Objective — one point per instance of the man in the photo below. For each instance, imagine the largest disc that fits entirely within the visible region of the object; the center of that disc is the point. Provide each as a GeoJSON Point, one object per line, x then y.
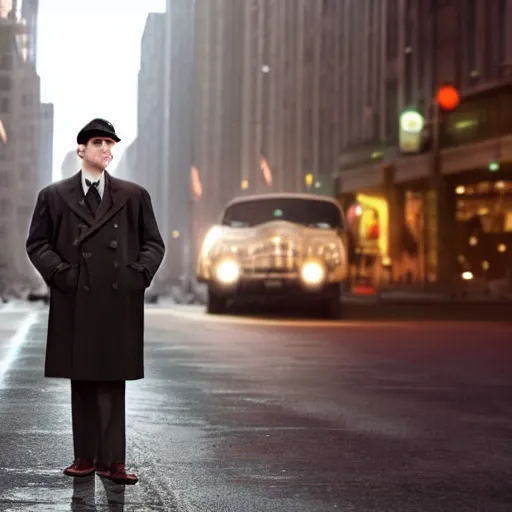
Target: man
{"type": "Point", "coordinates": [95, 241]}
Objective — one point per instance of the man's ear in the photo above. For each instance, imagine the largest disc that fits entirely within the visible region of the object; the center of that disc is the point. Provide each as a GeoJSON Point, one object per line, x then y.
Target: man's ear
{"type": "Point", "coordinates": [80, 150]}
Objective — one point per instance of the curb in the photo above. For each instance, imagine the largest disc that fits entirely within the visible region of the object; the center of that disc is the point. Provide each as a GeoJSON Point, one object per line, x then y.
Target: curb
{"type": "Point", "coordinates": [426, 301]}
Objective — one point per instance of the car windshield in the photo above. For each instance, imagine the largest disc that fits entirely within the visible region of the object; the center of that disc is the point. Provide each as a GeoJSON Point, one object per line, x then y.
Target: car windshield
{"type": "Point", "coordinates": [308, 212]}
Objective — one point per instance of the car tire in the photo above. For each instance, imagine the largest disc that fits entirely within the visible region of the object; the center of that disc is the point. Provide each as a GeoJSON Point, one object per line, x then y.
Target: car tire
{"type": "Point", "coordinates": [216, 304]}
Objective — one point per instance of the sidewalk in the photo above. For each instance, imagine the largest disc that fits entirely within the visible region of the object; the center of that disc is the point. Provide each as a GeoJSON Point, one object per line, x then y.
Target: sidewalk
{"type": "Point", "coordinates": [395, 296]}
{"type": "Point", "coordinates": [199, 296]}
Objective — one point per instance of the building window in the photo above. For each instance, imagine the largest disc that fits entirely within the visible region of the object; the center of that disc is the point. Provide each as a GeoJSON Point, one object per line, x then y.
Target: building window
{"type": "Point", "coordinates": [392, 30]}
{"type": "Point", "coordinates": [505, 32]}
{"type": "Point", "coordinates": [26, 100]}
{"type": "Point", "coordinates": [5, 179]}
{"type": "Point", "coordinates": [25, 173]}
{"type": "Point", "coordinates": [5, 207]}
{"type": "Point", "coordinates": [5, 151]}
{"type": "Point", "coordinates": [5, 83]}
{"type": "Point", "coordinates": [6, 62]}
{"type": "Point", "coordinates": [4, 105]}
{"type": "Point", "coordinates": [471, 39]}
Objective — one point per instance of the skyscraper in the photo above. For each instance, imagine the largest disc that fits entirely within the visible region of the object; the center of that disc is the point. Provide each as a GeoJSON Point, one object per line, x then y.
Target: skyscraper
{"type": "Point", "coordinates": [29, 12]}
{"type": "Point", "coordinates": [253, 105]}
{"type": "Point", "coordinates": [177, 129]}
{"type": "Point", "coordinates": [19, 151]}
{"type": "Point", "coordinates": [150, 114]}
{"type": "Point", "coordinates": [45, 160]}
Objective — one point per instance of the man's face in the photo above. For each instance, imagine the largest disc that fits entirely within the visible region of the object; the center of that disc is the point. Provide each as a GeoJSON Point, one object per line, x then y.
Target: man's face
{"type": "Point", "coordinates": [98, 152]}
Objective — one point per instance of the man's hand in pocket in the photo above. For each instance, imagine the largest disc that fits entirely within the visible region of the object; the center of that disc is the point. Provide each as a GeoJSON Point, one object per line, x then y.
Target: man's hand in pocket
{"type": "Point", "coordinates": [137, 278]}
{"type": "Point", "coordinates": [66, 280]}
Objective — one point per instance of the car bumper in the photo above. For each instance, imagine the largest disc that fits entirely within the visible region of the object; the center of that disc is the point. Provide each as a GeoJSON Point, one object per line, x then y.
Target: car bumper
{"type": "Point", "coordinates": [275, 289]}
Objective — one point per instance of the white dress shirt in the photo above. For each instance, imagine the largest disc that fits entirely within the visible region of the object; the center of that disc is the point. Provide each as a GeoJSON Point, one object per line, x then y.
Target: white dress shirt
{"type": "Point", "coordinates": [92, 178]}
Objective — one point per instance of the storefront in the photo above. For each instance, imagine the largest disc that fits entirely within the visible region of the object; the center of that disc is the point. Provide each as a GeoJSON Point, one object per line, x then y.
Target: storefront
{"type": "Point", "coordinates": [368, 224]}
{"type": "Point", "coordinates": [483, 235]}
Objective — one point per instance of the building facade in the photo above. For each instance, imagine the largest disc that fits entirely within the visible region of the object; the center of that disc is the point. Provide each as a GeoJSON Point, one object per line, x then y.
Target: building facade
{"type": "Point", "coordinates": [425, 220]}
{"type": "Point", "coordinates": [252, 86]}
{"type": "Point", "coordinates": [150, 136]}
{"type": "Point", "coordinates": [45, 159]}
{"type": "Point", "coordinates": [29, 12]}
{"type": "Point", "coordinates": [19, 154]}
{"type": "Point", "coordinates": [179, 109]}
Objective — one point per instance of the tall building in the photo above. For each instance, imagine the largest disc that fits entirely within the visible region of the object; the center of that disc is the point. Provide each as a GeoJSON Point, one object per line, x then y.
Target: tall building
{"type": "Point", "coordinates": [251, 104]}
{"type": "Point", "coordinates": [19, 152]}
{"type": "Point", "coordinates": [178, 109]}
{"type": "Point", "coordinates": [407, 53]}
{"type": "Point", "coordinates": [150, 118]}
{"type": "Point", "coordinates": [45, 159]}
{"type": "Point", "coordinates": [29, 12]}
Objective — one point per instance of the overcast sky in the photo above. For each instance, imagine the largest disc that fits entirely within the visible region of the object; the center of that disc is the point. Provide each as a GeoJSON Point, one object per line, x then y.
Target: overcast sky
{"type": "Point", "coordinates": [88, 60]}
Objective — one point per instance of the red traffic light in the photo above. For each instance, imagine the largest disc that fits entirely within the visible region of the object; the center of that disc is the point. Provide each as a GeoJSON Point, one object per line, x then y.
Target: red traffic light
{"type": "Point", "coordinates": [447, 97]}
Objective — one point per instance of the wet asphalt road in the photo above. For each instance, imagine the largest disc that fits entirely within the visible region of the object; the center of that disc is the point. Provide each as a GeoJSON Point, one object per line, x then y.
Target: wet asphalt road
{"type": "Point", "coordinates": [251, 415]}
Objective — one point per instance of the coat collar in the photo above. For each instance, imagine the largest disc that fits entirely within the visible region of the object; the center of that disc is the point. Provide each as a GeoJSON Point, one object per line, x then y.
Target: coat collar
{"type": "Point", "coordinates": [114, 199]}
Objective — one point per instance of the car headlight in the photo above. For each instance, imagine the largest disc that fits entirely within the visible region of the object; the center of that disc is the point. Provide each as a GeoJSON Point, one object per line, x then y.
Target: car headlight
{"type": "Point", "coordinates": [227, 272]}
{"type": "Point", "coordinates": [312, 273]}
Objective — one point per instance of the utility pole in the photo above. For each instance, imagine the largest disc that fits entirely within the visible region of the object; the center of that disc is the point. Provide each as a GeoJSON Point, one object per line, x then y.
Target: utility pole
{"type": "Point", "coordinates": [446, 100]}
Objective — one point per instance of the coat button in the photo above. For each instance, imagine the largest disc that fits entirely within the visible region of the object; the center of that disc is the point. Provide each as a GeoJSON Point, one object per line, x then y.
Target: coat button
{"type": "Point", "coordinates": [75, 242]}
{"type": "Point", "coordinates": [115, 286]}
{"type": "Point", "coordinates": [86, 288]}
{"type": "Point", "coordinates": [116, 264]}
{"type": "Point", "coordinates": [113, 244]}
{"type": "Point", "coordinates": [116, 225]}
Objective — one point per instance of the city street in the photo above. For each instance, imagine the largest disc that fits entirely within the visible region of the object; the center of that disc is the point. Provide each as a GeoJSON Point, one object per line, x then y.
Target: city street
{"type": "Point", "coordinates": [247, 414]}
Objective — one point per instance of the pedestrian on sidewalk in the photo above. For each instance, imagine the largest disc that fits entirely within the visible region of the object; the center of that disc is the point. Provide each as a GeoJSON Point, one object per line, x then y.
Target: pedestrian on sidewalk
{"type": "Point", "coordinates": [95, 241]}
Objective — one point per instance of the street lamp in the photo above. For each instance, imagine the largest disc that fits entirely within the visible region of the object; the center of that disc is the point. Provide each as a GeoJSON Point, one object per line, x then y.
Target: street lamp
{"type": "Point", "coordinates": [411, 128]}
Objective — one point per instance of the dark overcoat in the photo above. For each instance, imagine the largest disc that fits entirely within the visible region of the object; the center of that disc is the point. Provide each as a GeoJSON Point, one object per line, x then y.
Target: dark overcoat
{"type": "Point", "coordinates": [97, 269]}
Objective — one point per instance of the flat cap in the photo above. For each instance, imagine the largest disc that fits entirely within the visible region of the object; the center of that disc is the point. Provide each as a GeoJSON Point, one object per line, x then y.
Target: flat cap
{"type": "Point", "coordinates": [96, 128]}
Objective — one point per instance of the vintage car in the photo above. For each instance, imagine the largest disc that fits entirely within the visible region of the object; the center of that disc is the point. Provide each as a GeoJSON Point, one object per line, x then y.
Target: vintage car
{"type": "Point", "coordinates": [276, 247]}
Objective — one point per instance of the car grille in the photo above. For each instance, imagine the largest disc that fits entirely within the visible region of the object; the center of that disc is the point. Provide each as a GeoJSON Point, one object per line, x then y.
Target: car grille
{"type": "Point", "coordinates": [270, 257]}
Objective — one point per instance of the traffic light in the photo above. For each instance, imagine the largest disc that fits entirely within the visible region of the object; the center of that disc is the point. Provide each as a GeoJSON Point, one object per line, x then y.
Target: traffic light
{"type": "Point", "coordinates": [447, 97]}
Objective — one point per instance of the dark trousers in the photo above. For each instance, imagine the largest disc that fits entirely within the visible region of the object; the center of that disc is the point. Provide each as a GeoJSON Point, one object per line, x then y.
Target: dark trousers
{"type": "Point", "coordinates": [98, 412]}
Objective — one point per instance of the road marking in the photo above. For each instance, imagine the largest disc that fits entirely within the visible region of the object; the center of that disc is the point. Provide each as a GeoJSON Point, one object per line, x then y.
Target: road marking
{"type": "Point", "coordinates": [16, 342]}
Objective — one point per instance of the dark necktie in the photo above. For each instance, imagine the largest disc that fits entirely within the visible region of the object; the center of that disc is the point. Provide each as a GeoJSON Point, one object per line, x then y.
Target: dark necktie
{"type": "Point", "coordinates": [93, 198]}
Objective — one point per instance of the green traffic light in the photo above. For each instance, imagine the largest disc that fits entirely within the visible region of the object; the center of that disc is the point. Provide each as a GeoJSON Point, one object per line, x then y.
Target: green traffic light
{"type": "Point", "coordinates": [494, 166]}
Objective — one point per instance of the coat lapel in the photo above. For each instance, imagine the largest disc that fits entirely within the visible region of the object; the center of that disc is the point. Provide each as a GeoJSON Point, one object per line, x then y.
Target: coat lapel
{"type": "Point", "coordinates": [114, 198]}
{"type": "Point", "coordinates": [73, 194]}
